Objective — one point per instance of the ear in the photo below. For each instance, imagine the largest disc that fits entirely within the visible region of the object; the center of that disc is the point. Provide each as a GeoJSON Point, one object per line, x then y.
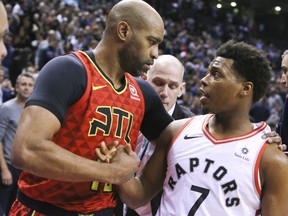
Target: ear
{"type": "Point", "coordinates": [247, 88]}
{"type": "Point", "coordinates": [123, 30]}
{"type": "Point", "coordinates": [181, 89]}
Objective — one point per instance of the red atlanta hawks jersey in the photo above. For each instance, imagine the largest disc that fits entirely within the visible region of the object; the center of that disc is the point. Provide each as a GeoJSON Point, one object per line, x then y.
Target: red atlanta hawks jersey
{"type": "Point", "coordinates": [102, 113]}
{"type": "Point", "coordinates": [213, 177]}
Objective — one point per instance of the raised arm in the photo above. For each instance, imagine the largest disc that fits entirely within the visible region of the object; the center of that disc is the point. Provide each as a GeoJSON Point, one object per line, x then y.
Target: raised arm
{"type": "Point", "coordinates": [274, 175]}
{"type": "Point", "coordinates": [34, 151]}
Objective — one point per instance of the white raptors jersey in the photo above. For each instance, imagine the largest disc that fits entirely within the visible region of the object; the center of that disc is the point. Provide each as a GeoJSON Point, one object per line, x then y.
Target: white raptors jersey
{"type": "Point", "coordinates": [213, 177]}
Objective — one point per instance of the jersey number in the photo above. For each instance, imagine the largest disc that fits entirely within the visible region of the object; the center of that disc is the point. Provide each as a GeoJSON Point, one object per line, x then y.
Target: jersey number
{"type": "Point", "coordinates": [106, 188]}
{"type": "Point", "coordinates": [204, 193]}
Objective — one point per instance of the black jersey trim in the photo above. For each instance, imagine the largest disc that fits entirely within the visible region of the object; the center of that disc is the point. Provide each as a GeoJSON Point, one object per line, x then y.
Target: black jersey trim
{"type": "Point", "coordinates": [123, 86]}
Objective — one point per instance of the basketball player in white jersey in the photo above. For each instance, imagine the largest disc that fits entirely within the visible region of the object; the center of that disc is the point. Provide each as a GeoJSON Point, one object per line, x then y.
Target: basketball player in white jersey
{"type": "Point", "coordinates": [218, 164]}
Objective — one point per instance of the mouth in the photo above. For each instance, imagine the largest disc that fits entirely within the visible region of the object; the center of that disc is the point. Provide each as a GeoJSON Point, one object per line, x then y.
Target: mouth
{"type": "Point", "coordinates": [204, 96]}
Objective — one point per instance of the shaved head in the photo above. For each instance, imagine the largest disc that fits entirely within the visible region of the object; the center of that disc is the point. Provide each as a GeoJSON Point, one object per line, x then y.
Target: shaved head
{"type": "Point", "coordinates": [136, 13]}
{"type": "Point", "coordinates": [167, 62]}
{"type": "Point", "coordinates": [134, 30]}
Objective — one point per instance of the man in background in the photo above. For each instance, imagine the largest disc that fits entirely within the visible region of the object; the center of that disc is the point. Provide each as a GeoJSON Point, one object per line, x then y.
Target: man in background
{"type": "Point", "coordinates": [10, 113]}
{"type": "Point", "coordinates": [7, 91]}
{"type": "Point", "coordinates": [282, 126]}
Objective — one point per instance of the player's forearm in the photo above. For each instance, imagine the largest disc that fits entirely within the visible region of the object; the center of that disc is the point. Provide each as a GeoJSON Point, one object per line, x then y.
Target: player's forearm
{"type": "Point", "coordinates": [48, 160]}
{"type": "Point", "coordinates": [133, 193]}
{"type": "Point", "coordinates": [138, 191]}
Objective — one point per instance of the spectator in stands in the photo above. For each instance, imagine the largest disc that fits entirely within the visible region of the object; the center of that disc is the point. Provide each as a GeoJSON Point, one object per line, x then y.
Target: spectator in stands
{"type": "Point", "coordinates": [7, 91]}
{"type": "Point", "coordinates": [10, 113]}
{"type": "Point", "coordinates": [49, 52]}
{"type": "Point", "coordinates": [282, 127]}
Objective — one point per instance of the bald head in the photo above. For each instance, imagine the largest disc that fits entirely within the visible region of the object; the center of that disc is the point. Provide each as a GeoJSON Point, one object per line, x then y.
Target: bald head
{"type": "Point", "coordinates": [137, 13]}
{"type": "Point", "coordinates": [167, 63]}
{"type": "Point", "coordinates": [166, 77]}
{"type": "Point", "coordinates": [3, 30]}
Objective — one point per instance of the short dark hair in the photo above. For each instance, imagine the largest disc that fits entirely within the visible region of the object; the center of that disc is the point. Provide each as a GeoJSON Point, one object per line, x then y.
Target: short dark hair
{"type": "Point", "coordinates": [252, 64]}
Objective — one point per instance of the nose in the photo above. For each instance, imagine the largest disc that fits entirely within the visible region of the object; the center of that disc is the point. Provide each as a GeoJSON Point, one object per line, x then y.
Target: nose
{"type": "Point", "coordinates": [203, 81]}
{"type": "Point", "coordinates": [283, 80]}
{"type": "Point", "coordinates": [154, 52]}
{"type": "Point", "coordinates": [3, 51]}
{"type": "Point", "coordinates": [164, 92]}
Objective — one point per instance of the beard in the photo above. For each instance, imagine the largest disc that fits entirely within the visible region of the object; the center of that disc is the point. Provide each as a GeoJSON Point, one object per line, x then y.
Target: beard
{"type": "Point", "coordinates": [129, 58]}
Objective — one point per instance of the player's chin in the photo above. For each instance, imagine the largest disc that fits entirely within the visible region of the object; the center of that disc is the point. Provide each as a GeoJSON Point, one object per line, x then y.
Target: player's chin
{"type": "Point", "coordinates": [204, 110]}
{"type": "Point", "coordinates": [204, 107]}
{"type": "Point", "coordinates": [135, 73]}
{"type": "Point", "coordinates": [142, 70]}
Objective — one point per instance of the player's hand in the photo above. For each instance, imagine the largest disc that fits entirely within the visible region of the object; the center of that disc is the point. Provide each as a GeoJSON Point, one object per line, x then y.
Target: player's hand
{"type": "Point", "coordinates": [106, 152]}
{"type": "Point", "coordinates": [124, 161]}
{"type": "Point", "coordinates": [127, 163]}
{"type": "Point", "coordinates": [273, 137]}
{"type": "Point", "coordinates": [122, 158]}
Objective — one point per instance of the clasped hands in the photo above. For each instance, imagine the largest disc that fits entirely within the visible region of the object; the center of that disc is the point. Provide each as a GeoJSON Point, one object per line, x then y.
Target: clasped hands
{"type": "Point", "coordinates": [106, 152]}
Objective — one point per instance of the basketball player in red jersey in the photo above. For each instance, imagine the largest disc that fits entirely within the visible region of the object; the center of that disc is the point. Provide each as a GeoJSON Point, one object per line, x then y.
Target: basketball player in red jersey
{"type": "Point", "coordinates": [84, 98]}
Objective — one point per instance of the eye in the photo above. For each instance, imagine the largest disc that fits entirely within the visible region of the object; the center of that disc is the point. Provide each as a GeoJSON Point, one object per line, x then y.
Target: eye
{"type": "Point", "coordinates": [152, 42]}
{"type": "Point", "coordinates": [174, 86]}
{"type": "Point", "coordinates": [216, 74]}
{"type": "Point", "coordinates": [158, 83]}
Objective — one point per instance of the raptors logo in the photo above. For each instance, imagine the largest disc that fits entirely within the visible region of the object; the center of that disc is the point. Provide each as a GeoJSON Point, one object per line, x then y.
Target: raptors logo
{"type": "Point", "coordinates": [134, 94]}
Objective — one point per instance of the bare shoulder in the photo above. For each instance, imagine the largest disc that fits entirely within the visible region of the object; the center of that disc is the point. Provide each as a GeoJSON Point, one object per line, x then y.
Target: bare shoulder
{"type": "Point", "coordinates": [273, 156]}
{"type": "Point", "coordinates": [273, 162]}
{"type": "Point", "coordinates": [170, 131]}
{"type": "Point", "coordinates": [274, 175]}
{"type": "Point", "coordinates": [178, 124]}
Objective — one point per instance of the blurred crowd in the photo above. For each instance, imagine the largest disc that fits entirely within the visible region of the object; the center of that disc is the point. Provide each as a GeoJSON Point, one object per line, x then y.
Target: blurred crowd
{"type": "Point", "coordinates": [43, 29]}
